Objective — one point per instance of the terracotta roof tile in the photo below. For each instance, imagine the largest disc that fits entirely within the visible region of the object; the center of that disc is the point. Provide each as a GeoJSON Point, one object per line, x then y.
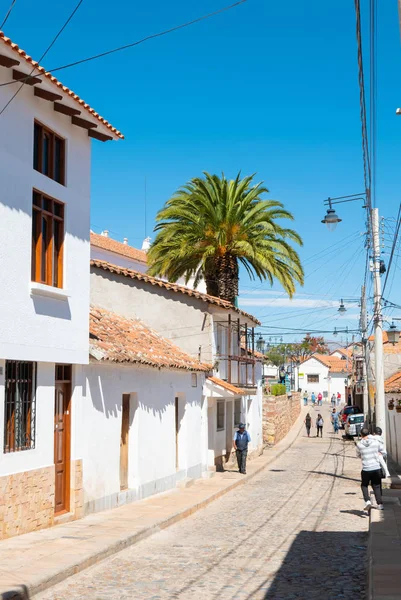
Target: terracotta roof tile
{"type": "Point", "coordinates": [387, 347]}
{"type": "Point", "coordinates": [344, 351]}
{"type": "Point", "coordinates": [335, 364]}
{"type": "Point", "coordinates": [117, 339]}
{"type": "Point", "coordinates": [106, 243]}
{"type": "Point", "coordinates": [393, 383]}
{"type": "Point", "coordinates": [227, 386]}
{"type": "Point", "coordinates": [106, 266]}
{"type": "Point", "coordinates": [32, 63]}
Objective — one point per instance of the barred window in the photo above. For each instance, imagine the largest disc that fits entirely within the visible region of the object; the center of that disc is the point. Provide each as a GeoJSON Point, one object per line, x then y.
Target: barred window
{"type": "Point", "coordinates": [221, 414]}
{"type": "Point", "coordinates": [313, 378]}
{"type": "Point", "coordinates": [19, 406]}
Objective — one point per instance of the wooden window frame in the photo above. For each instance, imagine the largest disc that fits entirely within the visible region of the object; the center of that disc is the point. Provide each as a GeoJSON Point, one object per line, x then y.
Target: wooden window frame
{"type": "Point", "coordinates": [19, 406]}
{"type": "Point", "coordinates": [40, 131]}
{"type": "Point", "coordinates": [220, 403]}
{"type": "Point", "coordinates": [47, 255]}
{"type": "Point", "coordinates": [313, 376]}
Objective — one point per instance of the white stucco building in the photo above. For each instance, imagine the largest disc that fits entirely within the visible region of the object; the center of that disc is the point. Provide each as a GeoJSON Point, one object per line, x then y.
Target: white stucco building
{"type": "Point", "coordinates": [211, 331]}
{"type": "Point", "coordinates": [45, 153]}
{"type": "Point", "coordinates": [324, 373]}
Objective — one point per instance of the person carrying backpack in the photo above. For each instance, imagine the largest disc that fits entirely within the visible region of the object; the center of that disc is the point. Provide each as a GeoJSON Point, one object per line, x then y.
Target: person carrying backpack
{"type": "Point", "coordinates": [319, 425]}
{"type": "Point", "coordinates": [241, 441]}
{"type": "Point", "coordinates": [308, 423]}
{"type": "Point", "coordinates": [368, 450]}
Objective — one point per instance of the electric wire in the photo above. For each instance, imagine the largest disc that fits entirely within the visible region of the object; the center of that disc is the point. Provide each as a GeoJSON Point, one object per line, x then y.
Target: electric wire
{"type": "Point", "coordinates": [43, 55]}
{"type": "Point", "coordinates": [136, 43]}
{"type": "Point", "coordinates": [8, 14]}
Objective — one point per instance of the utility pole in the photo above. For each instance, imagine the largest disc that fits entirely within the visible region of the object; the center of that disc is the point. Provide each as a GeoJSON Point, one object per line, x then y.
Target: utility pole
{"type": "Point", "coordinates": [378, 322]}
{"type": "Point", "coordinates": [364, 327]}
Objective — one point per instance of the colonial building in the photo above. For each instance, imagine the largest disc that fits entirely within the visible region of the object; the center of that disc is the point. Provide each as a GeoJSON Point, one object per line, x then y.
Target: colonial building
{"type": "Point", "coordinates": [325, 374]}
{"type": "Point", "coordinates": [45, 147]}
{"type": "Point", "coordinates": [211, 331]}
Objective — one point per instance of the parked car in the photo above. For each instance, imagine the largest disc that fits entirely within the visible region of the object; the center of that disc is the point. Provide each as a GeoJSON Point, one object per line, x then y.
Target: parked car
{"type": "Point", "coordinates": [354, 425]}
{"type": "Point", "coordinates": [346, 411]}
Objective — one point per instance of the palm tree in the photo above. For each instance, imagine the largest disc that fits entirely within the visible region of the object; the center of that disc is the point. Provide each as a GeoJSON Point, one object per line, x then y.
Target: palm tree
{"type": "Point", "coordinates": [212, 225]}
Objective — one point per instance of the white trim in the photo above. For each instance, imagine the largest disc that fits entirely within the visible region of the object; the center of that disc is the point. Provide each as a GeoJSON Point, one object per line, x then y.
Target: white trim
{"type": "Point", "coordinates": [41, 289]}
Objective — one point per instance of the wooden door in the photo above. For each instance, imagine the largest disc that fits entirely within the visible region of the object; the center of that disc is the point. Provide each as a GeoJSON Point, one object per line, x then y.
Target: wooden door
{"type": "Point", "coordinates": [62, 445]}
{"type": "Point", "coordinates": [124, 442]}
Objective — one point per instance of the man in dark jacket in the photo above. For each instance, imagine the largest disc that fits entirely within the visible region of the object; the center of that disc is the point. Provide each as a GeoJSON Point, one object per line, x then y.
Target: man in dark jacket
{"type": "Point", "coordinates": [241, 441]}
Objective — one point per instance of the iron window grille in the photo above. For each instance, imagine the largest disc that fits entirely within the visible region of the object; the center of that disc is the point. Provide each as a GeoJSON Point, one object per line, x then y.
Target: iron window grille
{"type": "Point", "coordinates": [19, 406]}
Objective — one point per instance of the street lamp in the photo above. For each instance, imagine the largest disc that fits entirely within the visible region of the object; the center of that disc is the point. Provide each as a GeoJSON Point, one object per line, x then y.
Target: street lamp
{"type": "Point", "coordinates": [342, 308]}
{"type": "Point", "coordinates": [331, 218]}
{"type": "Point", "coordinates": [335, 332]}
{"type": "Point", "coordinates": [393, 334]}
{"type": "Point", "coordinates": [260, 344]}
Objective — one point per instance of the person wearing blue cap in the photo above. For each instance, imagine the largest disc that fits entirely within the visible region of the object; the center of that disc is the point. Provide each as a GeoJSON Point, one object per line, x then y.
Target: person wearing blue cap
{"type": "Point", "coordinates": [241, 441]}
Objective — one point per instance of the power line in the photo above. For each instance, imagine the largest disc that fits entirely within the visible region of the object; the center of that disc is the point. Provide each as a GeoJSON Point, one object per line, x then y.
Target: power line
{"type": "Point", "coordinates": [8, 14]}
{"type": "Point", "coordinates": [43, 55]}
{"type": "Point", "coordinates": [397, 231]}
{"type": "Point", "coordinates": [141, 41]}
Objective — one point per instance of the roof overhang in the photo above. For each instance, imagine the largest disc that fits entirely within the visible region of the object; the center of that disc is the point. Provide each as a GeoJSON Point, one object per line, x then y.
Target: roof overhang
{"type": "Point", "coordinates": [218, 388]}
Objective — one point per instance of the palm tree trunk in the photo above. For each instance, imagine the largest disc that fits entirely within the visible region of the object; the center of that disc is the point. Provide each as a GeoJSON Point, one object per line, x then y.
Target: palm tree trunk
{"type": "Point", "coordinates": [227, 277]}
{"type": "Point", "coordinates": [210, 275]}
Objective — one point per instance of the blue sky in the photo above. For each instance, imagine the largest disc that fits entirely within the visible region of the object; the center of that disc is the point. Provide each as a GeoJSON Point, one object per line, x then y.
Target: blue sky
{"type": "Point", "coordinates": [268, 87]}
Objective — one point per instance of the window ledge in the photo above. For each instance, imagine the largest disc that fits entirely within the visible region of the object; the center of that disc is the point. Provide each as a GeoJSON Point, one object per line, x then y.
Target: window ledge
{"type": "Point", "coordinates": [41, 289]}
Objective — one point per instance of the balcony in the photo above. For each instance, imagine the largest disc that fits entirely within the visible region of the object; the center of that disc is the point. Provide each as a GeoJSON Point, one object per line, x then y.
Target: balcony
{"type": "Point", "coordinates": [235, 358]}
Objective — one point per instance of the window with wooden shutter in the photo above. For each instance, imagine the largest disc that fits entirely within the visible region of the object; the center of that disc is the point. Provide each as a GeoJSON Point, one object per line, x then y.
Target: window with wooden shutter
{"type": "Point", "coordinates": [48, 153]}
{"type": "Point", "coordinates": [47, 240]}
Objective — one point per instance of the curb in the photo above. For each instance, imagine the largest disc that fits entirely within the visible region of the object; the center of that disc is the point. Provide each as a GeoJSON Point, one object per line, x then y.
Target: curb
{"type": "Point", "coordinates": [25, 592]}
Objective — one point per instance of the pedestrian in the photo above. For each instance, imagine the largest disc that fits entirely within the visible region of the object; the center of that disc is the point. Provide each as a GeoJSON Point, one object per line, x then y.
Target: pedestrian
{"type": "Point", "coordinates": [308, 423]}
{"type": "Point", "coordinates": [333, 400]}
{"type": "Point", "coordinates": [349, 399]}
{"type": "Point", "coordinates": [334, 420]}
{"type": "Point", "coordinates": [305, 398]}
{"type": "Point", "coordinates": [313, 398]}
{"type": "Point", "coordinates": [368, 450]}
{"type": "Point", "coordinates": [319, 425]}
{"type": "Point", "coordinates": [338, 398]}
{"type": "Point", "coordinates": [319, 399]}
{"type": "Point", "coordinates": [378, 436]}
{"type": "Point", "coordinates": [241, 441]}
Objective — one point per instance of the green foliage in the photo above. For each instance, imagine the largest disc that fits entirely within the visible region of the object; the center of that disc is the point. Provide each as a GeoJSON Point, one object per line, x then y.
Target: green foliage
{"type": "Point", "coordinates": [278, 389]}
{"type": "Point", "coordinates": [284, 353]}
{"type": "Point", "coordinates": [212, 225]}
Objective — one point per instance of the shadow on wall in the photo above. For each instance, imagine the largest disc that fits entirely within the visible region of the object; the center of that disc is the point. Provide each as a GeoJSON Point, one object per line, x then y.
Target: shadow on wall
{"type": "Point", "coordinates": [52, 307]}
{"type": "Point", "coordinates": [326, 564]}
{"type": "Point", "coordinates": [148, 401]}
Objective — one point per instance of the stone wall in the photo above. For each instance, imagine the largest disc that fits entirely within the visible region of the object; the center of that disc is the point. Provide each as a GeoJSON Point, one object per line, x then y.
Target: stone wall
{"type": "Point", "coordinates": [26, 501]}
{"type": "Point", "coordinates": [279, 415]}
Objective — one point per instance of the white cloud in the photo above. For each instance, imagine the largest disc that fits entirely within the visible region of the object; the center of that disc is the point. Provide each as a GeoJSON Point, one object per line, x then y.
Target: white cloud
{"type": "Point", "coordinates": [294, 303]}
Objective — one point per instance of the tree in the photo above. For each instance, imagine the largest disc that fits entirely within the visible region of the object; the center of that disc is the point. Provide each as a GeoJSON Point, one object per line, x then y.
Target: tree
{"type": "Point", "coordinates": [297, 352]}
{"type": "Point", "coordinates": [212, 225]}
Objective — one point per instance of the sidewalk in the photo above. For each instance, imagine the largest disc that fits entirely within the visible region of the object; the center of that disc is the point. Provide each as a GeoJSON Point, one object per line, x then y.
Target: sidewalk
{"type": "Point", "coordinates": [35, 561]}
{"type": "Point", "coordinates": [385, 549]}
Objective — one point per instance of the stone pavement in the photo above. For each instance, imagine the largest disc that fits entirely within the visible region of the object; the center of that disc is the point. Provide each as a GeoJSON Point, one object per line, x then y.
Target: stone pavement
{"type": "Point", "coordinates": [295, 530]}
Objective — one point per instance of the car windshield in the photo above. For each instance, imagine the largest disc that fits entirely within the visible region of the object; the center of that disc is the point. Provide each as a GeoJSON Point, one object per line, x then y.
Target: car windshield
{"type": "Point", "coordinates": [357, 419]}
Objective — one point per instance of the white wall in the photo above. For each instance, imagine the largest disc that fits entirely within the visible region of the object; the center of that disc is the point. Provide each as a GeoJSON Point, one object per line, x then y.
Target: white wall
{"type": "Point", "coordinates": [152, 466]}
{"type": "Point", "coordinates": [43, 453]}
{"type": "Point", "coordinates": [313, 367]}
{"type": "Point", "coordinates": [117, 259]}
{"type": "Point", "coordinates": [41, 328]}
{"type": "Point", "coordinates": [393, 433]}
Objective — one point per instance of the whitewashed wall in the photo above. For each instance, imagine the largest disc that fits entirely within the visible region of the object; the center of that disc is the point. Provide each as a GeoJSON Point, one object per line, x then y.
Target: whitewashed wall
{"type": "Point", "coordinates": [43, 453]}
{"type": "Point", "coordinates": [328, 382]}
{"type": "Point", "coordinates": [152, 466]}
{"type": "Point", "coordinates": [117, 259]}
{"type": "Point", "coordinates": [37, 327]}
{"type": "Point", "coordinates": [393, 434]}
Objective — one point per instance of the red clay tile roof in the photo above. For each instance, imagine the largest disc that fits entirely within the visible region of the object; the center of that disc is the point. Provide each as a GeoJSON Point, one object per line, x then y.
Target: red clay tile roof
{"type": "Point", "coordinates": [335, 364]}
{"type": "Point", "coordinates": [227, 386]}
{"type": "Point", "coordinates": [32, 63]}
{"type": "Point", "coordinates": [117, 339]}
{"type": "Point", "coordinates": [387, 347]}
{"type": "Point", "coordinates": [106, 266]}
{"type": "Point", "coordinates": [344, 351]}
{"type": "Point", "coordinates": [393, 383]}
{"type": "Point", "coordinates": [106, 243]}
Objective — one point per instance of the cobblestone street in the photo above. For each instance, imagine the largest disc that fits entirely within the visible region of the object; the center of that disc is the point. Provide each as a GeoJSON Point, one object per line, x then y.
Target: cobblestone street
{"type": "Point", "coordinates": [297, 530]}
